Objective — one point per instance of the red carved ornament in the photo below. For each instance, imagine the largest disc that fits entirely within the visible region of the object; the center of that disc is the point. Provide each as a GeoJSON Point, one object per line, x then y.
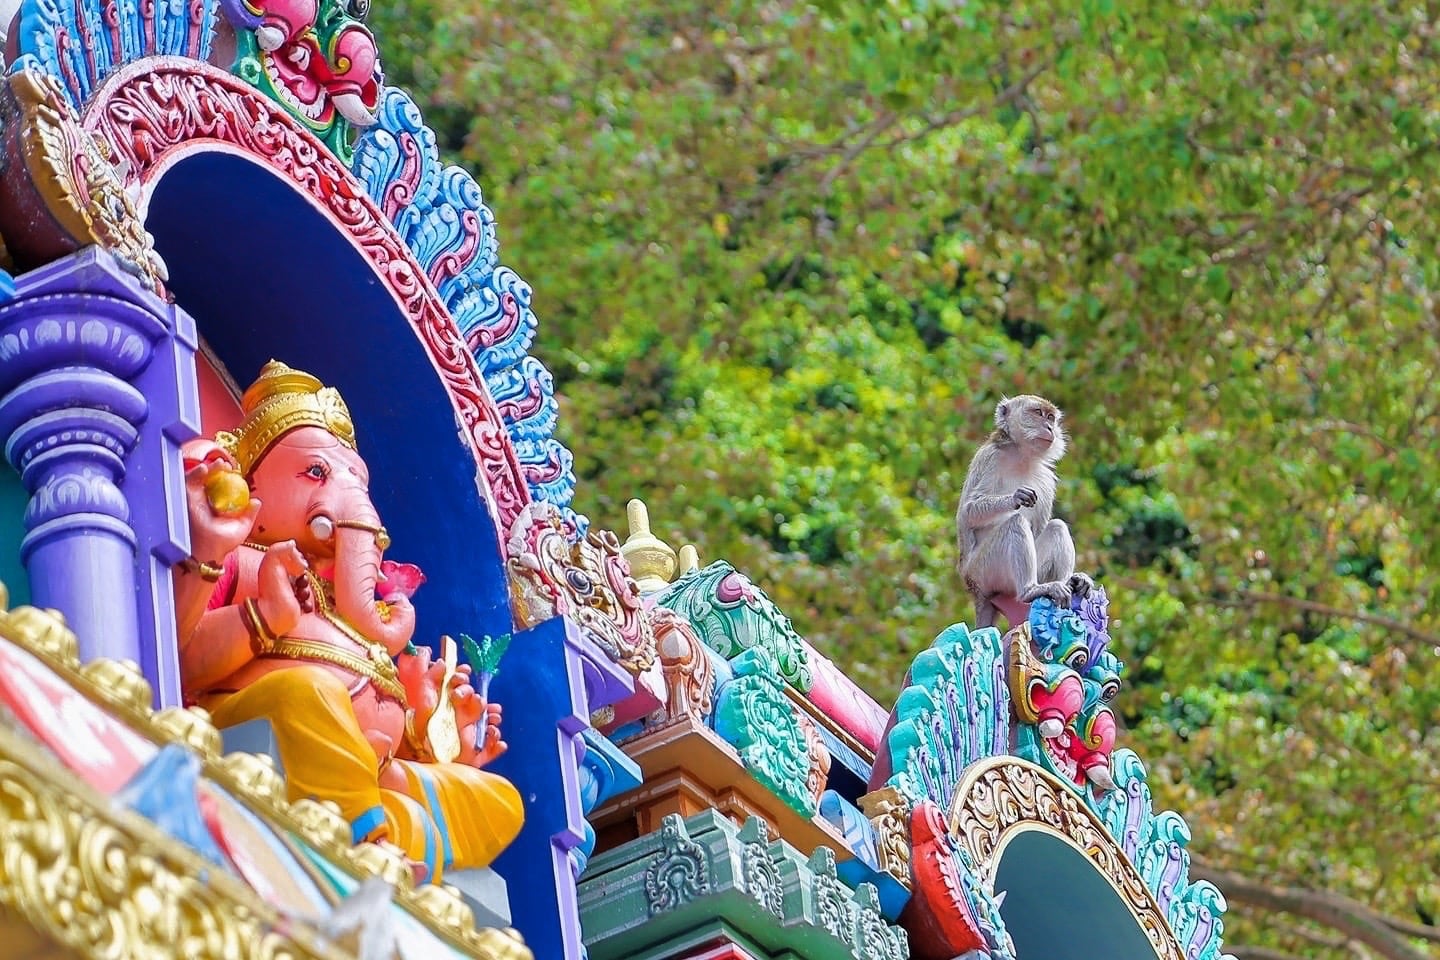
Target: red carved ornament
{"type": "Point", "coordinates": [155, 111]}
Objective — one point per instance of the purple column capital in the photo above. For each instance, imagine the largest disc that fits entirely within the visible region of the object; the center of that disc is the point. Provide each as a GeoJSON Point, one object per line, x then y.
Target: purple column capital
{"type": "Point", "coordinates": [77, 343]}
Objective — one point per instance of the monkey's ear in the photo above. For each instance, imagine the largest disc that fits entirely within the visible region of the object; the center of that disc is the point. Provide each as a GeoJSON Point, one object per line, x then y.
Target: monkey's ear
{"type": "Point", "coordinates": [1002, 410]}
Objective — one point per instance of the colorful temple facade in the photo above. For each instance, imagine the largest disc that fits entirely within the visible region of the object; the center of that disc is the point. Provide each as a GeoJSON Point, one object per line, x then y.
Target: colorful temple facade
{"type": "Point", "coordinates": [253, 333]}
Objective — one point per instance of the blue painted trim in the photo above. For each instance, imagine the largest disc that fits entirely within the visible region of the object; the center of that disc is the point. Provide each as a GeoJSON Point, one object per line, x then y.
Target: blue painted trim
{"type": "Point", "coordinates": [451, 231]}
{"type": "Point", "coordinates": [77, 44]}
{"type": "Point", "coordinates": [893, 895]}
{"type": "Point", "coordinates": [437, 814]}
{"type": "Point", "coordinates": [365, 824]}
{"type": "Point", "coordinates": [846, 759]}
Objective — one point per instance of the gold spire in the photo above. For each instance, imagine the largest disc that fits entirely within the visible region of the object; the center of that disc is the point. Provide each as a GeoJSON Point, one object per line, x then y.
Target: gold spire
{"type": "Point", "coordinates": [280, 400]}
{"type": "Point", "coordinates": [652, 561]}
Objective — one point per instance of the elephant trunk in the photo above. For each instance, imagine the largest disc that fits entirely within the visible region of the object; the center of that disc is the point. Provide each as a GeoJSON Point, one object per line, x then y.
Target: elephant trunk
{"type": "Point", "coordinates": [357, 571]}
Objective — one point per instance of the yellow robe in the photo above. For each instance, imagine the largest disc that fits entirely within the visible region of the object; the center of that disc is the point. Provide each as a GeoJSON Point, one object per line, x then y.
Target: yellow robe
{"type": "Point", "coordinates": [449, 815]}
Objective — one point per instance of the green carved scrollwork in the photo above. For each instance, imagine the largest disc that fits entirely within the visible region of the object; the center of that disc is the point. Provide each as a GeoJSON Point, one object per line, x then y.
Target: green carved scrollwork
{"type": "Point", "coordinates": [762, 877]}
{"type": "Point", "coordinates": [708, 873]}
{"type": "Point", "coordinates": [733, 615]}
{"type": "Point", "coordinates": [756, 718]}
{"type": "Point", "coordinates": [679, 872]}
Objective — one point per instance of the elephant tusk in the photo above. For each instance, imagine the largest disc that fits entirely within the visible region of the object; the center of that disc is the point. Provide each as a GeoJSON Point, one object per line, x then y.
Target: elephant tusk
{"type": "Point", "coordinates": [352, 108]}
{"type": "Point", "coordinates": [270, 38]}
{"type": "Point", "coordinates": [1051, 728]}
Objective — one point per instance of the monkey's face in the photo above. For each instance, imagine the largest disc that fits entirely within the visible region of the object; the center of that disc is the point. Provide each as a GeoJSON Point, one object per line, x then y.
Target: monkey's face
{"type": "Point", "coordinates": [1035, 422]}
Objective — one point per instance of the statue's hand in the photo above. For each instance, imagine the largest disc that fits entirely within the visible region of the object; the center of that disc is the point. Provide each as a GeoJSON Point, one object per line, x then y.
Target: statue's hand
{"type": "Point", "coordinates": [282, 600]}
{"type": "Point", "coordinates": [213, 533]}
{"type": "Point", "coordinates": [472, 751]}
{"type": "Point", "coordinates": [419, 676]}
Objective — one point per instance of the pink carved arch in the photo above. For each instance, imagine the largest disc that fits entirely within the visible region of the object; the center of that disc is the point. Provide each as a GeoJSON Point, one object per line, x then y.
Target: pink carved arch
{"type": "Point", "coordinates": [157, 111]}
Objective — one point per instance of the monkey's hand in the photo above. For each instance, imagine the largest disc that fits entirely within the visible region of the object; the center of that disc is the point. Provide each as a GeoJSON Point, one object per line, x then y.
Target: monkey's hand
{"type": "Point", "coordinates": [1080, 585]}
{"type": "Point", "coordinates": [1023, 497]}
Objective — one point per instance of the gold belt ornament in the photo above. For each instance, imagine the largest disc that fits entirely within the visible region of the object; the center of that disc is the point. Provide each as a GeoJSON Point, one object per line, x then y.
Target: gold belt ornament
{"type": "Point", "coordinates": [377, 665]}
{"type": "Point", "coordinates": [378, 668]}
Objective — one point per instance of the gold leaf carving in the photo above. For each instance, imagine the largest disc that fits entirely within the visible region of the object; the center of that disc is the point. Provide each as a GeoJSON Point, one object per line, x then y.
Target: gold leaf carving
{"type": "Point", "coordinates": [888, 814]}
{"type": "Point", "coordinates": [1002, 796]}
{"type": "Point", "coordinates": [112, 874]}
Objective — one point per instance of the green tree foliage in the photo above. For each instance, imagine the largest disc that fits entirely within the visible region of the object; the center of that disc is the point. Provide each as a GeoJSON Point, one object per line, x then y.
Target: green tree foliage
{"type": "Point", "coordinates": [788, 256]}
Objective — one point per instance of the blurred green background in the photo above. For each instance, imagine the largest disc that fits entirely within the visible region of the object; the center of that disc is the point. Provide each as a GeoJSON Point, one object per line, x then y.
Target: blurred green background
{"type": "Point", "coordinates": [787, 256]}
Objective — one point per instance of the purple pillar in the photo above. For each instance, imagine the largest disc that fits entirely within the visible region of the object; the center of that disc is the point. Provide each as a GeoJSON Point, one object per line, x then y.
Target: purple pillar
{"type": "Point", "coordinates": [92, 368]}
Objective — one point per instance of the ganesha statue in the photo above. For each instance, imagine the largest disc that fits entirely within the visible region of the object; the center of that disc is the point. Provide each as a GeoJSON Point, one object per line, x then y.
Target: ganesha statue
{"type": "Point", "coordinates": [289, 612]}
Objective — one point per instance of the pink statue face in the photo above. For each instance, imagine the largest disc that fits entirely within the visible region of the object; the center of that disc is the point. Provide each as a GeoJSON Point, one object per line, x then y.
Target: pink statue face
{"type": "Point", "coordinates": [306, 474]}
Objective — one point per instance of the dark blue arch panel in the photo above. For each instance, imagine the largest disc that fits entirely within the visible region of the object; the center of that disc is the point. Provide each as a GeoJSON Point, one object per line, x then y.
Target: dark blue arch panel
{"type": "Point", "coordinates": [265, 274]}
{"type": "Point", "coordinates": [1059, 907]}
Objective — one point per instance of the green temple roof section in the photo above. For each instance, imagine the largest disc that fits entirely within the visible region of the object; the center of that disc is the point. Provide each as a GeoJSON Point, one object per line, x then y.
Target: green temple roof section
{"type": "Point", "coordinates": [702, 873]}
{"type": "Point", "coordinates": [733, 615]}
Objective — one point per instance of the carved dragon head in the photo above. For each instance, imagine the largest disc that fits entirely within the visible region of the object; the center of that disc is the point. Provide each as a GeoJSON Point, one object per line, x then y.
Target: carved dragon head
{"type": "Point", "coordinates": [1062, 681]}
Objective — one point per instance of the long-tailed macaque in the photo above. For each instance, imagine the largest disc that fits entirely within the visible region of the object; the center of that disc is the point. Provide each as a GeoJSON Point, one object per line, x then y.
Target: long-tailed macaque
{"type": "Point", "coordinates": [1009, 544]}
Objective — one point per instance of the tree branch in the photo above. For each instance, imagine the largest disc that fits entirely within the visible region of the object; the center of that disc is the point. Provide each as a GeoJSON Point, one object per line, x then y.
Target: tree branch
{"type": "Point", "coordinates": [1003, 98]}
{"type": "Point", "coordinates": [1349, 917]}
{"type": "Point", "coordinates": [1256, 597]}
{"type": "Point", "coordinates": [1417, 930]}
{"type": "Point", "coordinates": [1258, 953]}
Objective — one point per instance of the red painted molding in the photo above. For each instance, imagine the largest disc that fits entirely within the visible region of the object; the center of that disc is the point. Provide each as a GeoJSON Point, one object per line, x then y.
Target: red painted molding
{"type": "Point", "coordinates": [157, 111]}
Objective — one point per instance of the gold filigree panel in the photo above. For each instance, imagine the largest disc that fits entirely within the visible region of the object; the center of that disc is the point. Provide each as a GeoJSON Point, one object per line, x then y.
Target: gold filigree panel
{"type": "Point", "coordinates": [68, 856]}
{"type": "Point", "coordinates": [1001, 797]}
{"type": "Point", "coordinates": [105, 882]}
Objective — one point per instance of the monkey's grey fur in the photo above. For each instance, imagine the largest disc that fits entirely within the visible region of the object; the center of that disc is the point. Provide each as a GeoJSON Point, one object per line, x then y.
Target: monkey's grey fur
{"type": "Point", "coordinates": [1009, 543]}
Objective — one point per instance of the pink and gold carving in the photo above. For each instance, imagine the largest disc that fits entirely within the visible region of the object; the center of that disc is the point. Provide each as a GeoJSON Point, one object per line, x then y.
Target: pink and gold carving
{"type": "Point", "coordinates": [689, 675]}
{"type": "Point", "coordinates": [156, 111]}
{"type": "Point", "coordinates": [819, 757]}
{"type": "Point", "coordinates": [59, 189]}
{"type": "Point", "coordinates": [1004, 795]}
{"type": "Point", "coordinates": [588, 580]}
{"type": "Point", "coordinates": [887, 811]}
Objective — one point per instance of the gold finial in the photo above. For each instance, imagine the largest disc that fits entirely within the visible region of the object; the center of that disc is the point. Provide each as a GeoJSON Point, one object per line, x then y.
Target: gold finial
{"type": "Point", "coordinates": [689, 559]}
{"type": "Point", "coordinates": [44, 632]}
{"type": "Point", "coordinates": [443, 905]}
{"type": "Point", "coordinates": [280, 400]}
{"type": "Point", "coordinates": [321, 823]}
{"type": "Point", "coordinates": [384, 860]}
{"type": "Point", "coordinates": [652, 561]}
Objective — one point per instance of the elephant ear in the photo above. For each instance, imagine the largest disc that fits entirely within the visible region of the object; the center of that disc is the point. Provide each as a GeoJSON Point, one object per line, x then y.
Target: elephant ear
{"type": "Point", "coordinates": [398, 579]}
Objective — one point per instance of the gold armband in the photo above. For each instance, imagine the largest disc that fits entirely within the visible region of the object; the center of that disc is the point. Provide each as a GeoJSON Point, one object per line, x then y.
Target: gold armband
{"type": "Point", "coordinates": [419, 746]}
{"type": "Point", "coordinates": [209, 572]}
{"type": "Point", "coordinates": [262, 640]}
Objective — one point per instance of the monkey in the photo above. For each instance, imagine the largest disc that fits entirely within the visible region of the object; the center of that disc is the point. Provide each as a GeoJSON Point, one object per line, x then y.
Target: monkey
{"type": "Point", "coordinates": [1010, 546]}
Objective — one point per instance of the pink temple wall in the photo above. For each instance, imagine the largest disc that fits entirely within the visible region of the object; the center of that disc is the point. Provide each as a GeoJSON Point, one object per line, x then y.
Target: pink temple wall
{"type": "Point", "coordinates": [219, 406]}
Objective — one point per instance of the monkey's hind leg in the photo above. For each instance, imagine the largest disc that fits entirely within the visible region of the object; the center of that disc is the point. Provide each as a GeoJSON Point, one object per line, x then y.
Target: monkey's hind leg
{"type": "Point", "coordinates": [1055, 559]}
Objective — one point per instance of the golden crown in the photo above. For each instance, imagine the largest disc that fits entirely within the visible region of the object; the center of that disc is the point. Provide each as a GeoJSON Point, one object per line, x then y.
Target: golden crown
{"type": "Point", "coordinates": [280, 400]}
